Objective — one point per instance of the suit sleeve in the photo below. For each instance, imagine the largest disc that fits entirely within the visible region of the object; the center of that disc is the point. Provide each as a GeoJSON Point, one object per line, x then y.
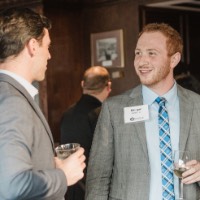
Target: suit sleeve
{"type": "Point", "coordinates": [20, 133]}
{"type": "Point", "coordinates": [101, 158]}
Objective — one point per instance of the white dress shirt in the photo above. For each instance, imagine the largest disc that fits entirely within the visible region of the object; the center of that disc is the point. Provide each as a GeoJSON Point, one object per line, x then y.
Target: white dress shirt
{"type": "Point", "coordinates": [28, 86]}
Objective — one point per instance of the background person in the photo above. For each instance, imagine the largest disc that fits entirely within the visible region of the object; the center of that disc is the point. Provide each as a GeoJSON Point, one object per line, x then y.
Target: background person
{"type": "Point", "coordinates": [79, 121]}
{"type": "Point", "coordinates": [185, 78]}
{"type": "Point", "coordinates": [125, 159]}
{"type": "Point", "coordinates": [28, 169]}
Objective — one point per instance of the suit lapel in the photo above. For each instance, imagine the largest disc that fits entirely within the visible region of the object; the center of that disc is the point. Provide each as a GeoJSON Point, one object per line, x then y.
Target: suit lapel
{"type": "Point", "coordinates": [186, 110]}
{"type": "Point", "coordinates": [136, 100]}
{"type": "Point", "coordinates": [140, 127]}
{"type": "Point", "coordinates": [185, 117]}
{"type": "Point", "coordinates": [33, 104]}
{"type": "Point", "coordinates": [41, 116]}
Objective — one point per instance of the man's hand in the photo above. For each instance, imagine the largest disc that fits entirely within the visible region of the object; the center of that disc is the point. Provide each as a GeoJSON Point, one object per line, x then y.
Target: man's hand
{"type": "Point", "coordinates": [72, 166]}
{"type": "Point", "coordinates": [192, 175]}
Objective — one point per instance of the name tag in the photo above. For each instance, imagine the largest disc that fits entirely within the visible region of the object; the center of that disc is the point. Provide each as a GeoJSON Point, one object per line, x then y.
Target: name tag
{"type": "Point", "coordinates": [136, 113]}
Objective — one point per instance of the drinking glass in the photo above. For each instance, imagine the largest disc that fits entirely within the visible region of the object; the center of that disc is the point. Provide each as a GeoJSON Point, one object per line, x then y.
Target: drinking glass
{"type": "Point", "coordinates": [180, 160]}
{"type": "Point", "coordinates": [65, 150]}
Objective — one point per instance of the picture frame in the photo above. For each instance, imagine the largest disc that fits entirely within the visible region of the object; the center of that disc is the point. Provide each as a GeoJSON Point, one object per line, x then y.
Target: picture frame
{"type": "Point", "coordinates": [107, 49]}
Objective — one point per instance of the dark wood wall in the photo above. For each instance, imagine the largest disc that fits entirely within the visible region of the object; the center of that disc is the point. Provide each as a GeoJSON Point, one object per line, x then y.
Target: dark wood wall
{"type": "Point", "coordinates": [71, 53]}
{"type": "Point", "coordinates": [74, 22]}
{"type": "Point", "coordinates": [66, 67]}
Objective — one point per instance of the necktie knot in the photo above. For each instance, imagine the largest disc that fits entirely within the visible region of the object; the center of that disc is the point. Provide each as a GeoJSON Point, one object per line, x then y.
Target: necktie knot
{"type": "Point", "coordinates": [161, 101]}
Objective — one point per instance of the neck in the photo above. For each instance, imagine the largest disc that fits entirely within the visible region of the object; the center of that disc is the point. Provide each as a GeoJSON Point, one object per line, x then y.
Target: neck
{"type": "Point", "coordinates": [17, 67]}
{"type": "Point", "coordinates": [163, 87]}
{"type": "Point", "coordinates": [97, 96]}
{"type": "Point", "coordinates": [100, 96]}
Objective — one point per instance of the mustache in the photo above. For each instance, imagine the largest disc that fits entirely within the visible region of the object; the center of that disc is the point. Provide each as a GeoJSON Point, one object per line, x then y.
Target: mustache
{"type": "Point", "coordinates": [144, 67]}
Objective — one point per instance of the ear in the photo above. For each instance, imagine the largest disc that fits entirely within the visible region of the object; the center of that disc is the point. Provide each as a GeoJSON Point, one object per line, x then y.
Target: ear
{"type": "Point", "coordinates": [175, 59]}
{"type": "Point", "coordinates": [109, 86]}
{"type": "Point", "coordinates": [82, 83]}
{"type": "Point", "coordinates": [32, 45]}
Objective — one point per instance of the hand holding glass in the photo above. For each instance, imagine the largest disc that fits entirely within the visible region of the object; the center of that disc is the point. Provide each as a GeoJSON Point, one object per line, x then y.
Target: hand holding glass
{"type": "Point", "coordinates": [65, 150]}
{"type": "Point", "coordinates": [180, 160]}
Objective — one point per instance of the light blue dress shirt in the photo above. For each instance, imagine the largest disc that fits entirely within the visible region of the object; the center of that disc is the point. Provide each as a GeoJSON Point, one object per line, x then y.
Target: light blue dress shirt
{"type": "Point", "coordinates": [152, 135]}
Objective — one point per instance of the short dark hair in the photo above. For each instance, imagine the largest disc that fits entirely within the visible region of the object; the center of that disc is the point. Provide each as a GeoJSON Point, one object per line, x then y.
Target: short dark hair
{"type": "Point", "coordinates": [95, 79]}
{"type": "Point", "coordinates": [17, 27]}
{"type": "Point", "coordinates": [174, 40]}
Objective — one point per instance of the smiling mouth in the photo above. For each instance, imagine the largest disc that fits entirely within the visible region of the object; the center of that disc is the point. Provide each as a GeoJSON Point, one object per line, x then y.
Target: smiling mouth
{"type": "Point", "coordinates": [145, 71]}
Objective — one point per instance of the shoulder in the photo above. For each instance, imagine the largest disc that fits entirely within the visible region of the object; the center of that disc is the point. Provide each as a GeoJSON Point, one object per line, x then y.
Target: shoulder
{"type": "Point", "coordinates": [94, 113]}
{"type": "Point", "coordinates": [12, 97]}
{"type": "Point", "coordinates": [189, 94]}
{"type": "Point", "coordinates": [188, 97]}
{"type": "Point", "coordinates": [68, 113]}
{"type": "Point", "coordinates": [126, 96]}
{"type": "Point", "coordinates": [116, 104]}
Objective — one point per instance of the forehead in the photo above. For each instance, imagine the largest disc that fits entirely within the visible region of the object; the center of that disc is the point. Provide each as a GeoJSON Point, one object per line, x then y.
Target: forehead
{"type": "Point", "coordinates": [152, 40]}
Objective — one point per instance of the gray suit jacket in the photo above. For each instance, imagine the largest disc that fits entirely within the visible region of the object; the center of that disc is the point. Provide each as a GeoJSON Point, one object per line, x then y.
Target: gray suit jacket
{"type": "Point", "coordinates": [119, 166]}
{"type": "Point", "coordinates": [27, 169]}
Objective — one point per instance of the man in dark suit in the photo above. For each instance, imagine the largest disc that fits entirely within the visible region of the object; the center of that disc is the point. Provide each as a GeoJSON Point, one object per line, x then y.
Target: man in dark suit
{"type": "Point", "coordinates": [79, 121]}
{"type": "Point", "coordinates": [28, 168]}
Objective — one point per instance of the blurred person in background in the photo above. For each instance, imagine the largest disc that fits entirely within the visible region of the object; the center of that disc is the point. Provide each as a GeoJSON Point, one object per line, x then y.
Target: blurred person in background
{"type": "Point", "coordinates": [79, 121]}
{"type": "Point", "coordinates": [185, 78]}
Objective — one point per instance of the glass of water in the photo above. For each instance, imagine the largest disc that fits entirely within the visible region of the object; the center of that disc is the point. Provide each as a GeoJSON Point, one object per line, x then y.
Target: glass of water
{"type": "Point", "coordinates": [65, 150]}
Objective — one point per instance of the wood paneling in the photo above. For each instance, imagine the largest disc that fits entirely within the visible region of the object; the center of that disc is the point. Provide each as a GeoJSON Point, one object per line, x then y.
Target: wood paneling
{"type": "Point", "coordinates": [119, 16]}
{"type": "Point", "coordinates": [73, 22]}
{"type": "Point", "coordinates": [66, 67]}
{"type": "Point", "coordinates": [71, 53]}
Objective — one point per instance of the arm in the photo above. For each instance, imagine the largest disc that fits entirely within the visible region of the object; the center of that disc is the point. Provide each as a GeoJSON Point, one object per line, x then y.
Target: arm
{"type": "Point", "coordinates": [101, 158]}
{"type": "Point", "coordinates": [93, 117]}
{"type": "Point", "coordinates": [27, 167]}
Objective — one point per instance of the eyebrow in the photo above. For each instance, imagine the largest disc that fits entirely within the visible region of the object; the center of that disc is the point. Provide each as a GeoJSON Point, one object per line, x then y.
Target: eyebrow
{"type": "Point", "coordinates": [152, 50]}
{"type": "Point", "coordinates": [138, 49]}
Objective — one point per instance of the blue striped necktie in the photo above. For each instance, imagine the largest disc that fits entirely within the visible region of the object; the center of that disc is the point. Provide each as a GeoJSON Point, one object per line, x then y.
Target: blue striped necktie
{"type": "Point", "coordinates": [165, 151]}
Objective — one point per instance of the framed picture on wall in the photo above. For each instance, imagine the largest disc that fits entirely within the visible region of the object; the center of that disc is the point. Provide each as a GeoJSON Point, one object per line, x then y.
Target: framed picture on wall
{"type": "Point", "coordinates": [107, 49]}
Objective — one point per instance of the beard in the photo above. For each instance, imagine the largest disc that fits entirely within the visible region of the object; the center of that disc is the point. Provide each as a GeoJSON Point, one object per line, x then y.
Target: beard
{"type": "Point", "coordinates": [155, 75]}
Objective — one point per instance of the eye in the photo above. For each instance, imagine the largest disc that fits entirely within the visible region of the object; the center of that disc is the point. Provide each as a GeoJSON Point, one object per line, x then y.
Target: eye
{"type": "Point", "coordinates": [152, 53]}
{"type": "Point", "coordinates": [137, 53]}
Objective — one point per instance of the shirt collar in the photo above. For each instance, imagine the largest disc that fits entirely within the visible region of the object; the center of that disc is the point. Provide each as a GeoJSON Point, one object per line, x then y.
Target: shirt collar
{"type": "Point", "coordinates": [149, 96]}
{"type": "Point", "coordinates": [28, 86]}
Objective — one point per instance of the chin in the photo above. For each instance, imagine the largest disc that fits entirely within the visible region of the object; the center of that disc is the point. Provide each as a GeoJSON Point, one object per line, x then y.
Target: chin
{"type": "Point", "coordinates": [145, 81]}
{"type": "Point", "coordinates": [40, 78]}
